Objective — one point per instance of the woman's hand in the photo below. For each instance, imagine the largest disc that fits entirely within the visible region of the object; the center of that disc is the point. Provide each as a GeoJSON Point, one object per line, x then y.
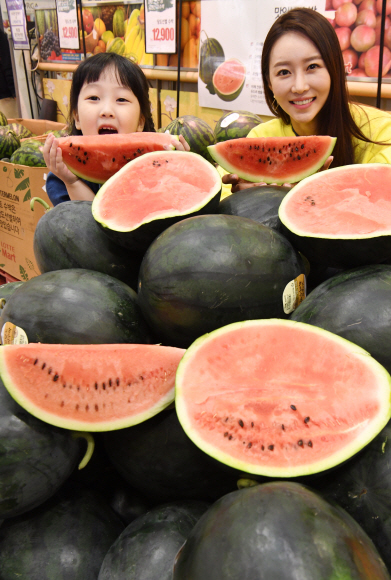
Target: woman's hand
{"type": "Point", "coordinates": [180, 145]}
{"type": "Point", "coordinates": [239, 184]}
{"type": "Point", "coordinates": [53, 159]}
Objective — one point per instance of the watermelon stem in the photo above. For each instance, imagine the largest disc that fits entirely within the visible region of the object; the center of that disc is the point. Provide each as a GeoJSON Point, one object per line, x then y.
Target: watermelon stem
{"type": "Point", "coordinates": [244, 482]}
{"type": "Point", "coordinates": [90, 446]}
{"type": "Point", "coordinates": [207, 37]}
{"type": "Point", "coordinates": [41, 201]}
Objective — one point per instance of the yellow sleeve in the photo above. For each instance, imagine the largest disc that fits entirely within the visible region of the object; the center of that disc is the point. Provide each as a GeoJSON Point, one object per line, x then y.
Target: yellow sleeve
{"type": "Point", "coordinates": [376, 125]}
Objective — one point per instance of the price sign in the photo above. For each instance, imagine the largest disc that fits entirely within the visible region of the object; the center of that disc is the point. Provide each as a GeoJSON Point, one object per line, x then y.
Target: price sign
{"type": "Point", "coordinates": [18, 24]}
{"type": "Point", "coordinates": [160, 26]}
{"type": "Point", "coordinates": [68, 29]}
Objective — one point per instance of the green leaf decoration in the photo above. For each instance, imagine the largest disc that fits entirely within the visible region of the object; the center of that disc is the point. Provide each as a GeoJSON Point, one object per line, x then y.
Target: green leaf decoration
{"type": "Point", "coordinates": [23, 184]}
{"type": "Point", "coordinates": [18, 173]}
{"type": "Point", "coordinates": [23, 273]}
{"type": "Point", "coordinates": [30, 264]}
{"type": "Point", "coordinates": [2, 265]}
{"type": "Point", "coordinates": [27, 196]}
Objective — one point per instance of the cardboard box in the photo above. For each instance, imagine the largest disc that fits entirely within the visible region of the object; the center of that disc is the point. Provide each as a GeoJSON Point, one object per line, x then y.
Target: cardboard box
{"type": "Point", "coordinates": [18, 185]}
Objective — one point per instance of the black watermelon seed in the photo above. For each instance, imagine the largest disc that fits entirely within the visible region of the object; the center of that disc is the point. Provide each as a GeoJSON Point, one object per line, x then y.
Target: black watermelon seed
{"type": "Point", "coordinates": [271, 447]}
{"type": "Point", "coordinates": [84, 162]}
{"type": "Point", "coordinates": [96, 386]}
{"type": "Point", "coordinates": [226, 419]}
{"type": "Point", "coordinates": [250, 147]}
{"type": "Point", "coordinates": [110, 383]}
{"type": "Point", "coordinates": [43, 366]}
{"type": "Point", "coordinates": [302, 146]}
{"type": "Point", "coordinates": [230, 437]}
{"type": "Point", "coordinates": [104, 386]}
{"type": "Point", "coordinates": [300, 443]}
{"type": "Point", "coordinates": [249, 445]}
{"type": "Point", "coordinates": [64, 386]}
{"type": "Point", "coordinates": [309, 443]}
{"type": "Point", "coordinates": [142, 378]}
{"type": "Point", "coordinates": [85, 153]}
{"type": "Point", "coordinates": [56, 377]}
{"type": "Point", "coordinates": [77, 407]}
{"type": "Point", "coordinates": [50, 371]}
{"type": "Point", "coordinates": [70, 144]}
{"type": "Point", "coordinates": [36, 360]}
{"type": "Point", "coordinates": [96, 408]}
{"type": "Point", "coordinates": [293, 407]}
{"type": "Point", "coordinates": [283, 428]}
{"type": "Point", "coordinates": [241, 423]}
{"type": "Point", "coordinates": [298, 157]}
{"type": "Point", "coordinates": [62, 404]}
{"type": "Point", "coordinates": [78, 148]}
{"type": "Point", "coordinates": [306, 420]}
{"type": "Point", "coordinates": [113, 159]}
{"type": "Point", "coordinates": [117, 381]}
{"type": "Point", "coordinates": [296, 148]}
{"type": "Point", "coordinates": [263, 447]}
{"type": "Point", "coordinates": [87, 407]}
{"type": "Point", "coordinates": [78, 388]}
{"type": "Point", "coordinates": [226, 434]}
{"type": "Point", "coordinates": [252, 424]}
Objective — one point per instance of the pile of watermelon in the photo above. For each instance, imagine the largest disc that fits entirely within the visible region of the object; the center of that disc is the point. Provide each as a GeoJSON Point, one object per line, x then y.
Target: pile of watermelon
{"type": "Point", "coordinates": [195, 388]}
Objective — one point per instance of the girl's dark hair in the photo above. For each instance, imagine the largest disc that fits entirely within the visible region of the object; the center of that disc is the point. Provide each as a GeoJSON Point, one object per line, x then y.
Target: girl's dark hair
{"type": "Point", "coordinates": [335, 118]}
{"type": "Point", "coordinates": [128, 74]}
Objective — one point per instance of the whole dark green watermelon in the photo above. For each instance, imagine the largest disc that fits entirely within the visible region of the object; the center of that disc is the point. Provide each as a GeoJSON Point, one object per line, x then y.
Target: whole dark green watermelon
{"type": "Point", "coordinates": [9, 142]}
{"type": "Point", "coordinates": [195, 131]}
{"type": "Point", "coordinates": [3, 119]}
{"type": "Point", "coordinates": [208, 271]}
{"type": "Point", "coordinates": [235, 124]}
{"type": "Point", "coordinates": [354, 304]}
{"type": "Point", "coordinates": [278, 530]}
{"type": "Point", "coordinates": [362, 486]}
{"type": "Point", "coordinates": [76, 306]}
{"type": "Point", "coordinates": [257, 203]}
{"type": "Point", "coordinates": [65, 235]}
{"type": "Point", "coordinates": [6, 290]}
{"type": "Point", "coordinates": [35, 458]}
{"type": "Point", "coordinates": [158, 459]}
{"type": "Point", "coordinates": [66, 538]}
{"type": "Point", "coordinates": [146, 549]}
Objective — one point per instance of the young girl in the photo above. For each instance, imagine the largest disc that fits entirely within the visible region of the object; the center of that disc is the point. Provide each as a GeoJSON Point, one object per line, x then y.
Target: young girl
{"type": "Point", "coordinates": [109, 94]}
{"type": "Point", "coordinates": [305, 87]}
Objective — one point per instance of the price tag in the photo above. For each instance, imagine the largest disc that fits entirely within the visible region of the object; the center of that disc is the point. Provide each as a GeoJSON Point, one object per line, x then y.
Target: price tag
{"type": "Point", "coordinates": [160, 26]}
{"type": "Point", "coordinates": [18, 24]}
{"type": "Point", "coordinates": [68, 29]}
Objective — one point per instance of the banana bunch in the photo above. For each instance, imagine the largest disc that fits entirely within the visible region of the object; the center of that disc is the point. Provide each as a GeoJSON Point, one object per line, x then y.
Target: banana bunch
{"type": "Point", "coordinates": [135, 38]}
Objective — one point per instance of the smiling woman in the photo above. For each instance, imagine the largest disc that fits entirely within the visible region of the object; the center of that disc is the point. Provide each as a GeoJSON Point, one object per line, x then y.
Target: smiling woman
{"type": "Point", "coordinates": [305, 88]}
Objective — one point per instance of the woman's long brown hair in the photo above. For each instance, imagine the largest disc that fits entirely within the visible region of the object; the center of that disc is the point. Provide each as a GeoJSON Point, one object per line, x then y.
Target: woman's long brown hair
{"type": "Point", "coordinates": [335, 118]}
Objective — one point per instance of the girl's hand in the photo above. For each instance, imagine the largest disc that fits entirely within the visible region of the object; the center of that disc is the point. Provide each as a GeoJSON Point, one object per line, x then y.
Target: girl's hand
{"type": "Point", "coordinates": [327, 164]}
{"type": "Point", "coordinates": [239, 184]}
{"type": "Point", "coordinates": [53, 159]}
{"type": "Point", "coordinates": [180, 145]}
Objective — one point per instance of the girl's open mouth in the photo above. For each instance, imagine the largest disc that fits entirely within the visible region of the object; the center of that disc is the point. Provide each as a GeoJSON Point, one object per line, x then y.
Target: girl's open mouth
{"type": "Point", "coordinates": [107, 130]}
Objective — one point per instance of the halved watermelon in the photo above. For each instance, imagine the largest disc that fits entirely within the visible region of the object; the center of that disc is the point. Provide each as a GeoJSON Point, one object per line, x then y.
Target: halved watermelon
{"type": "Point", "coordinates": [341, 217]}
{"type": "Point", "coordinates": [154, 191]}
{"type": "Point", "coordinates": [279, 398]}
{"type": "Point", "coordinates": [97, 157]}
{"type": "Point", "coordinates": [273, 159]}
{"type": "Point", "coordinates": [90, 387]}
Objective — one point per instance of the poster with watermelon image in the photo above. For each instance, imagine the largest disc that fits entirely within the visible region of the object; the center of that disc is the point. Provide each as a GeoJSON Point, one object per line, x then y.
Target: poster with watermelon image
{"type": "Point", "coordinates": [231, 49]}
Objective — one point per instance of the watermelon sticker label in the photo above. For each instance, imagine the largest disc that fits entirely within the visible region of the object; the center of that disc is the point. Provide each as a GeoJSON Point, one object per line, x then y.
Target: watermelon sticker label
{"type": "Point", "coordinates": [294, 294]}
{"type": "Point", "coordinates": [11, 334]}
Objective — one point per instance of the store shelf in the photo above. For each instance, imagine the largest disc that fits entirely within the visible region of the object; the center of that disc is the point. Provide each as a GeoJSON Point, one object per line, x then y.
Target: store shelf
{"type": "Point", "coordinates": [356, 88]}
{"type": "Point", "coordinates": [163, 74]}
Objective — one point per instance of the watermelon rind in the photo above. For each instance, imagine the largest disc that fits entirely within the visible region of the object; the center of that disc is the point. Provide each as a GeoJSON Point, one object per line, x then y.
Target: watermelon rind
{"type": "Point", "coordinates": [292, 174]}
{"type": "Point", "coordinates": [366, 433]}
{"type": "Point", "coordinates": [19, 392]}
{"type": "Point", "coordinates": [156, 215]}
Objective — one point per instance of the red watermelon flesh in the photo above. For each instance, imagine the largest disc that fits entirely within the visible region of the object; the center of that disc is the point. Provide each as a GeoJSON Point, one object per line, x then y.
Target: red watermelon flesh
{"type": "Point", "coordinates": [346, 202]}
{"type": "Point", "coordinates": [273, 159]}
{"type": "Point", "coordinates": [98, 157]}
{"type": "Point", "coordinates": [90, 387]}
{"type": "Point", "coordinates": [279, 398]}
{"type": "Point", "coordinates": [156, 185]}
